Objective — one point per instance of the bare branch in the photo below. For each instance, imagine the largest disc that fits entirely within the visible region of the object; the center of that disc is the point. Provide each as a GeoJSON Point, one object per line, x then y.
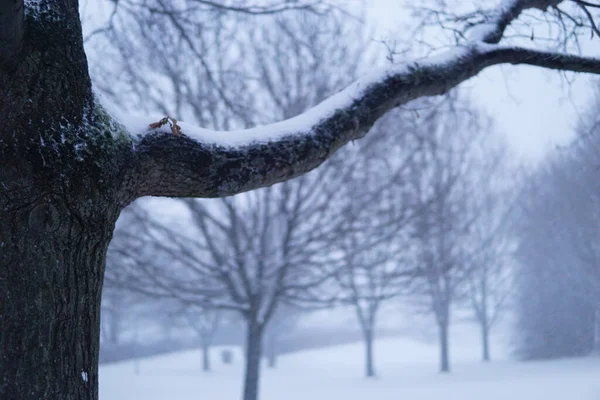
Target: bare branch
{"type": "Point", "coordinates": [583, 5]}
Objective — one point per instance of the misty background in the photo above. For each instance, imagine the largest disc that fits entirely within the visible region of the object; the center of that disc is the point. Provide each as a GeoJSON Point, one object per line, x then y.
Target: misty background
{"type": "Point", "coordinates": [466, 224]}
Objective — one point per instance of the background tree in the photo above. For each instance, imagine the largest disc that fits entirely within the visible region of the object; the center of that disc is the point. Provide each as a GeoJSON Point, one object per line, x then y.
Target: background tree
{"type": "Point", "coordinates": [489, 286]}
{"type": "Point", "coordinates": [204, 322]}
{"type": "Point", "coordinates": [68, 169]}
{"type": "Point", "coordinates": [559, 278]}
{"type": "Point", "coordinates": [443, 177]}
{"type": "Point", "coordinates": [259, 248]}
{"type": "Point", "coordinates": [373, 246]}
{"type": "Point", "coordinates": [283, 323]}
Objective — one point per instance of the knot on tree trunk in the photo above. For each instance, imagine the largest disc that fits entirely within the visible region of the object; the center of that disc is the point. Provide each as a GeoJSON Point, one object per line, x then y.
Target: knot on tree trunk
{"type": "Point", "coordinates": [44, 218]}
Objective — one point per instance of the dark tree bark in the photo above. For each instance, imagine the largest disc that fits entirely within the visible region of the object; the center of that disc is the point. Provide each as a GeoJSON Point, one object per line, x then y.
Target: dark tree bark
{"type": "Point", "coordinates": [60, 198]}
{"type": "Point", "coordinates": [11, 31]}
{"type": "Point", "coordinates": [66, 172]}
{"type": "Point", "coordinates": [254, 337]}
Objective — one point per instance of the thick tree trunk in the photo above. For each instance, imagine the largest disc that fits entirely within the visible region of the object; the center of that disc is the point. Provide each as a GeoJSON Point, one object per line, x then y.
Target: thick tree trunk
{"type": "Point", "coordinates": [253, 357]}
{"type": "Point", "coordinates": [369, 336]}
{"type": "Point", "coordinates": [51, 268]}
{"type": "Point", "coordinates": [61, 191]}
{"type": "Point", "coordinates": [485, 341]}
{"type": "Point", "coordinates": [444, 347]}
{"type": "Point", "coordinates": [205, 357]}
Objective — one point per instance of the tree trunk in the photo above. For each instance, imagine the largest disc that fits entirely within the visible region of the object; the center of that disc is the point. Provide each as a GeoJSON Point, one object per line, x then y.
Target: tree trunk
{"type": "Point", "coordinates": [485, 341]}
{"type": "Point", "coordinates": [596, 350]}
{"type": "Point", "coordinates": [369, 335]}
{"type": "Point", "coordinates": [61, 191]}
{"type": "Point", "coordinates": [114, 326]}
{"type": "Point", "coordinates": [205, 357]}
{"type": "Point", "coordinates": [271, 351]}
{"type": "Point", "coordinates": [52, 259]}
{"type": "Point", "coordinates": [253, 356]}
{"type": "Point", "coordinates": [444, 347]}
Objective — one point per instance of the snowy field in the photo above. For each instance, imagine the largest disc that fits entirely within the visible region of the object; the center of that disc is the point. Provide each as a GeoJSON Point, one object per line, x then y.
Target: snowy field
{"type": "Point", "coordinates": [406, 368]}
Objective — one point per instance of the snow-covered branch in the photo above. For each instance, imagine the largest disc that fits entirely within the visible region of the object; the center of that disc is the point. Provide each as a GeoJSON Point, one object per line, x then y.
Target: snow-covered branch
{"type": "Point", "coordinates": [204, 163]}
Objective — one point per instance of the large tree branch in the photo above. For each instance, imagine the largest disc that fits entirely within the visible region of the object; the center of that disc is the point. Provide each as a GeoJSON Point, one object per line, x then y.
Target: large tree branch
{"type": "Point", "coordinates": [11, 30]}
{"type": "Point", "coordinates": [205, 163]}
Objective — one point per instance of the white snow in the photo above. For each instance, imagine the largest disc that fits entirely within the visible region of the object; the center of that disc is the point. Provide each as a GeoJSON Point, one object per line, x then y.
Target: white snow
{"type": "Point", "coordinates": [84, 376]}
{"type": "Point", "coordinates": [301, 124]}
{"type": "Point", "coordinates": [406, 367]}
{"type": "Point", "coordinates": [480, 31]}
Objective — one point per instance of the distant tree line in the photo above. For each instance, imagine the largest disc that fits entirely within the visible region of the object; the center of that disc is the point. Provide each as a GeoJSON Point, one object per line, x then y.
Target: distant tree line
{"type": "Point", "coordinates": [558, 301]}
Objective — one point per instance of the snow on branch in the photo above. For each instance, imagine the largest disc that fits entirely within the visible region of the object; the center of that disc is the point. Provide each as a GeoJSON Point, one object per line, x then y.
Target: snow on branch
{"type": "Point", "coordinates": [206, 163]}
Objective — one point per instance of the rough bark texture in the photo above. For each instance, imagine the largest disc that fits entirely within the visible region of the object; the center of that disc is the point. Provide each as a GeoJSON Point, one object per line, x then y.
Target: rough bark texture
{"type": "Point", "coordinates": [59, 211]}
{"type": "Point", "coordinates": [50, 299]}
{"type": "Point", "coordinates": [60, 195]}
{"type": "Point", "coordinates": [253, 356]}
{"type": "Point", "coordinates": [11, 31]}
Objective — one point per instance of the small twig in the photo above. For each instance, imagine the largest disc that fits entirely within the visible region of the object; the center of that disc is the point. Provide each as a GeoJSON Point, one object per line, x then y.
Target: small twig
{"type": "Point", "coordinates": [587, 12]}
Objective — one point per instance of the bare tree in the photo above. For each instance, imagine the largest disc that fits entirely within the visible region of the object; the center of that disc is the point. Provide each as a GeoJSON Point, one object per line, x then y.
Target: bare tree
{"type": "Point", "coordinates": [114, 313]}
{"type": "Point", "coordinates": [68, 170]}
{"type": "Point", "coordinates": [283, 322]}
{"type": "Point", "coordinates": [267, 242]}
{"type": "Point", "coordinates": [490, 283]}
{"type": "Point", "coordinates": [442, 179]}
{"type": "Point", "coordinates": [374, 246]}
{"type": "Point", "coordinates": [245, 254]}
{"type": "Point", "coordinates": [204, 322]}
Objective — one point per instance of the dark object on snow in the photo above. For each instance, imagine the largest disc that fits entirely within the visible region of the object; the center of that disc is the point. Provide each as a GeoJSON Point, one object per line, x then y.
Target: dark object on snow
{"type": "Point", "coordinates": [227, 356]}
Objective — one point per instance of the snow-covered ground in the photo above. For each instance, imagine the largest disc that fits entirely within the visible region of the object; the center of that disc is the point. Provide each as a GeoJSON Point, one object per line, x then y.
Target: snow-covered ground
{"type": "Point", "coordinates": [406, 368]}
